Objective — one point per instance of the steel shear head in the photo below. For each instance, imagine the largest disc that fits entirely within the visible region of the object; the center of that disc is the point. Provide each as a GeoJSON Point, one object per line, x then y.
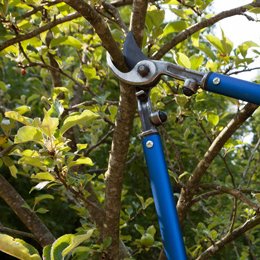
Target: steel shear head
{"type": "Point", "coordinates": [145, 73]}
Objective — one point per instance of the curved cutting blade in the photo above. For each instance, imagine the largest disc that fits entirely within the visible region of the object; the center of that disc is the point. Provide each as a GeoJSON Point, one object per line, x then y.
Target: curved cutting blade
{"type": "Point", "coordinates": [132, 52]}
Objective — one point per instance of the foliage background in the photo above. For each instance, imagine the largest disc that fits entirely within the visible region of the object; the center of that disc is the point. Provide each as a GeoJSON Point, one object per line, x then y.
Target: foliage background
{"type": "Point", "coordinates": [71, 160]}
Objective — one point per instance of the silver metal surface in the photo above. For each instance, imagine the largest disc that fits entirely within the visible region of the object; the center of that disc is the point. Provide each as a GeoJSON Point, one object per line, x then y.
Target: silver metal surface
{"type": "Point", "coordinates": [216, 81]}
{"type": "Point", "coordinates": [155, 70]}
{"type": "Point", "coordinates": [149, 144]}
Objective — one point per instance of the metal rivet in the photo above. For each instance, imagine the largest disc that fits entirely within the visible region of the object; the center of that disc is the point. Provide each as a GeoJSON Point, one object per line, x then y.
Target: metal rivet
{"type": "Point", "coordinates": [216, 81]}
{"type": "Point", "coordinates": [149, 144]}
{"type": "Point", "coordinates": [143, 70]}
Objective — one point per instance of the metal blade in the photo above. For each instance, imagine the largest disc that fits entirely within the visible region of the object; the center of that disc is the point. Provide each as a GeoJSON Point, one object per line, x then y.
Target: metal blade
{"type": "Point", "coordinates": [132, 52]}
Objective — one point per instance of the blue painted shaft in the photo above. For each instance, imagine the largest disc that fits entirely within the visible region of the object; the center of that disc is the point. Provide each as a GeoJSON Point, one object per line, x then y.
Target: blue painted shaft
{"type": "Point", "coordinates": [232, 87]}
{"type": "Point", "coordinates": [163, 198]}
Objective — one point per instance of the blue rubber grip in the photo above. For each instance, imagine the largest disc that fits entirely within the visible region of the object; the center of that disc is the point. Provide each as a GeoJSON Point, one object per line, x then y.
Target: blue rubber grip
{"type": "Point", "coordinates": [163, 198]}
{"type": "Point", "coordinates": [233, 87]}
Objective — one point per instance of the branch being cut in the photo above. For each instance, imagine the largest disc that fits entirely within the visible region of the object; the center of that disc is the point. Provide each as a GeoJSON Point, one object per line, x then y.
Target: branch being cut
{"type": "Point", "coordinates": [101, 28]}
{"type": "Point", "coordinates": [196, 27]}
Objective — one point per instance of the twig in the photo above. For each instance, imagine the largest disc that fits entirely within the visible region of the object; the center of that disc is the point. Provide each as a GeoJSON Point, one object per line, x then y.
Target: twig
{"type": "Point", "coordinates": [37, 9]}
{"type": "Point", "coordinates": [115, 14]}
{"type": "Point", "coordinates": [46, 27]}
{"type": "Point", "coordinates": [250, 159]}
{"type": "Point", "coordinates": [229, 237]}
{"type": "Point", "coordinates": [241, 71]}
{"type": "Point", "coordinates": [238, 194]}
{"type": "Point", "coordinates": [197, 27]}
{"type": "Point", "coordinates": [187, 193]}
{"type": "Point", "coordinates": [16, 232]}
{"type": "Point", "coordinates": [101, 141]}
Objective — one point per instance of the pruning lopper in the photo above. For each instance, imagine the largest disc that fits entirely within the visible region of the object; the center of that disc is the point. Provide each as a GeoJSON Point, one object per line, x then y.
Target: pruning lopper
{"type": "Point", "coordinates": [144, 74]}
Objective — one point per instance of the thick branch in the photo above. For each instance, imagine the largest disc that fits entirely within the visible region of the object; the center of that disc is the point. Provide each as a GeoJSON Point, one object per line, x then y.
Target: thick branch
{"type": "Point", "coordinates": [196, 27]}
{"type": "Point", "coordinates": [116, 166]}
{"type": "Point", "coordinates": [188, 192]}
{"type": "Point", "coordinates": [101, 28]}
{"type": "Point", "coordinates": [26, 215]}
{"type": "Point", "coordinates": [118, 156]}
{"type": "Point", "coordinates": [251, 223]}
{"type": "Point", "coordinates": [138, 19]}
{"type": "Point", "coordinates": [46, 27]}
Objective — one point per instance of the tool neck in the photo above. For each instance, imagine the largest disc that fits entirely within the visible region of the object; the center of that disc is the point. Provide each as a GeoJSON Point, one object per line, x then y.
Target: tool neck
{"type": "Point", "coordinates": [149, 119]}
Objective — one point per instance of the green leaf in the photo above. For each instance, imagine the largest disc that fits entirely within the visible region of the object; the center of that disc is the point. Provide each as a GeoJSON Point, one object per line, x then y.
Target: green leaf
{"type": "Point", "coordinates": [13, 170]}
{"type": "Point", "coordinates": [18, 248]}
{"type": "Point", "coordinates": [154, 17]}
{"type": "Point", "coordinates": [10, 164]}
{"type": "Point", "coordinates": [196, 61]}
{"type": "Point", "coordinates": [151, 230]}
{"type": "Point", "coordinates": [49, 125]}
{"type": "Point", "coordinates": [215, 41]}
{"type": "Point", "coordinates": [66, 40]}
{"type": "Point", "coordinates": [139, 228]}
{"type": "Point", "coordinates": [33, 161]}
{"type": "Point", "coordinates": [23, 109]}
{"type": "Point", "coordinates": [86, 161]}
{"type": "Point", "coordinates": [213, 118]}
{"type": "Point", "coordinates": [47, 252]}
{"type": "Point", "coordinates": [3, 86]}
{"type": "Point", "coordinates": [148, 202]}
{"type": "Point", "coordinates": [224, 46]}
{"type": "Point", "coordinates": [59, 245]}
{"type": "Point", "coordinates": [90, 72]}
{"type": "Point", "coordinates": [183, 60]}
{"type": "Point", "coordinates": [245, 46]}
{"type": "Point", "coordinates": [43, 176]}
{"type": "Point", "coordinates": [28, 133]}
{"type": "Point", "coordinates": [257, 196]}
{"type": "Point", "coordinates": [77, 240]}
{"type": "Point", "coordinates": [41, 210]}
{"type": "Point", "coordinates": [18, 117]}
{"type": "Point", "coordinates": [181, 100]}
{"type": "Point", "coordinates": [86, 116]}
{"type": "Point", "coordinates": [81, 146]}
{"type": "Point", "coordinates": [173, 27]}
{"type": "Point", "coordinates": [43, 197]}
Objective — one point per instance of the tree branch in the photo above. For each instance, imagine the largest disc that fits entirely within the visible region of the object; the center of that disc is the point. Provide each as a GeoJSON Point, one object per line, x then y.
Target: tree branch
{"type": "Point", "coordinates": [138, 20]}
{"type": "Point", "coordinates": [236, 193]}
{"type": "Point", "coordinates": [188, 191]}
{"type": "Point", "coordinates": [46, 27]}
{"type": "Point", "coordinates": [15, 232]}
{"type": "Point", "coordinates": [101, 28]}
{"type": "Point", "coordinates": [121, 137]}
{"type": "Point", "coordinates": [26, 215]}
{"type": "Point", "coordinates": [251, 223]}
{"type": "Point", "coordinates": [116, 166]}
{"type": "Point", "coordinates": [196, 27]}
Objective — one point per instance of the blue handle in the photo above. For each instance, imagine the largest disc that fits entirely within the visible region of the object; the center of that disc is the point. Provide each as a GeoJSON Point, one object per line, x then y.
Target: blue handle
{"type": "Point", "coordinates": [232, 87]}
{"type": "Point", "coordinates": [163, 198]}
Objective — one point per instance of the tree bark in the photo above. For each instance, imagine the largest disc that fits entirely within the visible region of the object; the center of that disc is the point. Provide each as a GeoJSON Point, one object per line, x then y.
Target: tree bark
{"type": "Point", "coordinates": [14, 200]}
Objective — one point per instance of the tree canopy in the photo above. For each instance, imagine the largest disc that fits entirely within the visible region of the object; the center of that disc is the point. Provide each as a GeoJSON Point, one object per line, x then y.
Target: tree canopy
{"type": "Point", "coordinates": [73, 181]}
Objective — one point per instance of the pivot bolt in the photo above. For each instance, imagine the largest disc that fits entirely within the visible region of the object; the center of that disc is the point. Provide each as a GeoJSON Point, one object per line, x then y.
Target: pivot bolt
{"type": "Point", "coordinates": [143, 70]}
{"type": "Point", "coordinates": [149, 144]}
{"type": "Point", "coordinates": [157, 118]}
{"type": "Point", "coordinates": [216, 81]}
